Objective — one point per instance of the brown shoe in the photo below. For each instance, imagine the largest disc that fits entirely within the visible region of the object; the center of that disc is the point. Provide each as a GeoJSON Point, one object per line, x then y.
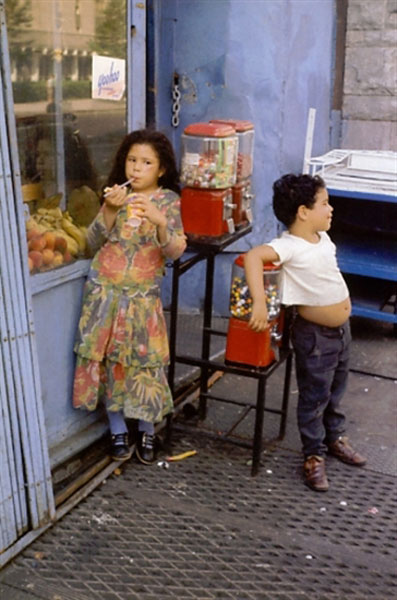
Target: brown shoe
{"type": "Point", "coordinates": [342, 450]}
{"type": "Point", "coordinates": [315, 477]}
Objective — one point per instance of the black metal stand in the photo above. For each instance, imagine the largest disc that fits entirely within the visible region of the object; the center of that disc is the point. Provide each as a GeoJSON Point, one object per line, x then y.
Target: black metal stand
{"type": "Point", "coordinates": [207, 249]}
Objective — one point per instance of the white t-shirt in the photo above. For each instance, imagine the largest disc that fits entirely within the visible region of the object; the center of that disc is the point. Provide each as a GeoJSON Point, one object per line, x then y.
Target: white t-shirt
{"type": "Point", "coordinates": [310, 274]}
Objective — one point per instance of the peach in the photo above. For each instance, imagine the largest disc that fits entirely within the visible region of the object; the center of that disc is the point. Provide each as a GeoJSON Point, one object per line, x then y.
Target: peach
{"type": "Point", "coordinates": [37, 243]}
{"type": "Point", "coordinates": [30, 264]}
{"type": "Point", "coordinates": [61, 244]}
{"type": "Point", "coordinates": [48, 256]}
{"type": "Point", "coordinates": [32, 233]}
{"type": "Point", "coordinates": [49, 237]}
{"type": "Point", "coordinates": [37, 258]}
{"type": "Point", "coordinates": [58, 259]}
{"type": "Point", "coordinates": [67, 257]}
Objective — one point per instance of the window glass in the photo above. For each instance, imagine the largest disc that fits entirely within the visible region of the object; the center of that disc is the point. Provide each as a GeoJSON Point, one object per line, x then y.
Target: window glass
{"type": "Point", "coordinates": [68, 71]}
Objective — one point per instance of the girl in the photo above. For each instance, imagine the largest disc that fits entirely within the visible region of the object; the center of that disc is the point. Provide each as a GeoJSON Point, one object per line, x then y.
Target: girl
{"type": "Point", "coordinates": [122, 344]}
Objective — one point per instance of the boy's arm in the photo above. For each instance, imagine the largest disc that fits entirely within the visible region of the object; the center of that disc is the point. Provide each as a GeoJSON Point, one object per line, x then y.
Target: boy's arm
{"type": "Point", "coordinates": [253, 263]}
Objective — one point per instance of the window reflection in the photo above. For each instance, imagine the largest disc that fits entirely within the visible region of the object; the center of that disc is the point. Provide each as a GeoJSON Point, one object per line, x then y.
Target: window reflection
{"type": "Point", "coordinates": [66, 138]}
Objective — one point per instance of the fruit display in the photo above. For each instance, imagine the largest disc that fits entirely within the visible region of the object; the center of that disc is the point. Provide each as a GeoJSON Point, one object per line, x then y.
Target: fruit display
{"type": "Point", "coordinates": [53, 239]}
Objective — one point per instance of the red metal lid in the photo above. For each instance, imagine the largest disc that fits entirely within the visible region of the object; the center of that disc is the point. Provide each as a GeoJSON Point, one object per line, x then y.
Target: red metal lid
{"type": "Point", "coordinates": [267, 267]}
{"type": "Point", "coordinates": [210, 129]}
{"type": "Point", "coordinates": [237, 124]}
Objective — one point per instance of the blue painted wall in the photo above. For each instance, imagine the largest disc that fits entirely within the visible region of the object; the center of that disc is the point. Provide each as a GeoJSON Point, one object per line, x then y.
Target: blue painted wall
{"type": "Point", "coordinates": [267, 61]}
{"type": "Point", "coordinates": [56, 314]}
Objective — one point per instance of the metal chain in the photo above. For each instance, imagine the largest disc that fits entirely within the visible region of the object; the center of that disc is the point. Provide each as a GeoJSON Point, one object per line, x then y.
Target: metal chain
{"type": "Point", "coordinates": [176, 104]}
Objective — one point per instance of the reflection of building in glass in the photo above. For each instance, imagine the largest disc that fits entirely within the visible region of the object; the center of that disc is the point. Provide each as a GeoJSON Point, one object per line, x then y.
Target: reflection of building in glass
{"type": "Point", "coordinates": [67, 27]}
{"type": "Point", "coordinates": [51, 44]}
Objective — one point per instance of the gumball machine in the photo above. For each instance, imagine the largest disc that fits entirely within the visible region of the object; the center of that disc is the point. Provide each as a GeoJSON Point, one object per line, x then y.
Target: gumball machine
{"type": "Point", "coordinates": [208, 170]}
{"type": "Point", "coordinates": [245, 346]}
{"type": "Point", "coordinates": [241, 190]}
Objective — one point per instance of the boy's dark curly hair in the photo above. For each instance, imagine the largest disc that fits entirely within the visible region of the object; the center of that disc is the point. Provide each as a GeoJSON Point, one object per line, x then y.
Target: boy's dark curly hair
{"type": "Point", "coordinates": [291, 191]}
{"type": "Point", "coordinates": [163, 148]}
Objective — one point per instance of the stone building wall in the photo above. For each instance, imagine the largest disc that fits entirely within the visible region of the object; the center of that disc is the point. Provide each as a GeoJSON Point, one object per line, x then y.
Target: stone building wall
{"type": "Point", "coordinates": [369, 109]}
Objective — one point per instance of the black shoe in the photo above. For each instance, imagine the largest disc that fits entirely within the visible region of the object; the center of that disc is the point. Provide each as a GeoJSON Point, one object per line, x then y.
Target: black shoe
{"type": "Point", "coordinates": [145, 451]}
{"type": "Point", "coordinates": [119, 448]}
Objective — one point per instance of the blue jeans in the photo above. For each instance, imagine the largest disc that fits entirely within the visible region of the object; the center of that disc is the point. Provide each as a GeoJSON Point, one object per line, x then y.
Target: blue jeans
{"type": "Point", "coordinates": [321, 358]}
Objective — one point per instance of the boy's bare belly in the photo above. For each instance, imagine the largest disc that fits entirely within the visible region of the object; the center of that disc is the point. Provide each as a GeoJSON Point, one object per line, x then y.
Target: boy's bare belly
{"type": "Point", "coordinates": [332, 315]}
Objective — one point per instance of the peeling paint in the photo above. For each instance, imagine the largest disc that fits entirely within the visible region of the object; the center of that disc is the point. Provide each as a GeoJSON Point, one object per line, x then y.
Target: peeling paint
{"type": "Point", "coordinates": [188, 90]}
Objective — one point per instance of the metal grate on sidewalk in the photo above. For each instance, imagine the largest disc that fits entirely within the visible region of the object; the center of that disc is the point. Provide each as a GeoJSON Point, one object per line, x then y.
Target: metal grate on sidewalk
{"type": "Point", "coordinates": [205, 529]}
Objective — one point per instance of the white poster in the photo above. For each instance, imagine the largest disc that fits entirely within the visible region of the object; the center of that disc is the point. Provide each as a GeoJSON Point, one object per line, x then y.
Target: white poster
{"type": "Point", "coordinates": [108, 77]}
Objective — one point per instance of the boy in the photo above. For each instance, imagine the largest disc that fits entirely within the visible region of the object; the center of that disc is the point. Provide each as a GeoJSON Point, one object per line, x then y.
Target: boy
{"type": "Point", "coordinates": [311, 282]}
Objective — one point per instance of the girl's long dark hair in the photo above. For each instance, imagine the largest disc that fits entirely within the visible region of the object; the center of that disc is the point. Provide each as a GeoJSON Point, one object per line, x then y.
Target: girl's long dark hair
{"type": "Point", "coordinates": [163, 148]}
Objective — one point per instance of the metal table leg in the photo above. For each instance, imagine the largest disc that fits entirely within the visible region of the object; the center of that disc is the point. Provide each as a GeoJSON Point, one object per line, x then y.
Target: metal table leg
{"type": "Point", "coordinates": [258, 431]}
{"type": "Point", "coordinates": [205, 350]}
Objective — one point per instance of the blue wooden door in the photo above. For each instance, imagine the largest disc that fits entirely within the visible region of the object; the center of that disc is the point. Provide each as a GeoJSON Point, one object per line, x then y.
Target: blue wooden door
{"type": "Point", "coordinates": [26, 497]}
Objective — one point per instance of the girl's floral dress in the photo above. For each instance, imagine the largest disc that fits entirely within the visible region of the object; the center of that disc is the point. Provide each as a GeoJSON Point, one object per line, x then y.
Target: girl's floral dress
{"type": "Point", "coordinates": [122, 344]}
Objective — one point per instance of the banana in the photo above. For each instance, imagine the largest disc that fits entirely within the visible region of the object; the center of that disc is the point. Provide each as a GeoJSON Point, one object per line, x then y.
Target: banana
{"type": "Point", "coordinates": [30, 223]}
{"type": "Point", "coordinates": [75, 233]}
{"type": "Point", "coordinates": [42, 225]}
{"type": "Point", "coordinates": [56, 213]}
{"type": "Point", "coordinates": [39, 228]}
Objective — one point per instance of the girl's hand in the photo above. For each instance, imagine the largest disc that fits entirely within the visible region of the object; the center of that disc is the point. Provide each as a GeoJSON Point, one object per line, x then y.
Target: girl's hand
{"type": "Point", "coordinates": [112, 203]}
{"type": "Point", "coordinates": [116, 198]}
{"type": "Point", "coordinates": [259, 316]}
{"type": "Point", "coordinates": [146, 208]}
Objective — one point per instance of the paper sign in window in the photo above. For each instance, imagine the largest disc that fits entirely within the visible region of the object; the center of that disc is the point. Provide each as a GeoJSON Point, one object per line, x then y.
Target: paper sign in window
{"type": "Point", "coordinates": [108, 78]}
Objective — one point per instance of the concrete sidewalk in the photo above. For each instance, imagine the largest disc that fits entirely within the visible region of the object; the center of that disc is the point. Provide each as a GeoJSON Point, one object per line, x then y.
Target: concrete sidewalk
{"type": "Point", "coordinates": [204, 529]}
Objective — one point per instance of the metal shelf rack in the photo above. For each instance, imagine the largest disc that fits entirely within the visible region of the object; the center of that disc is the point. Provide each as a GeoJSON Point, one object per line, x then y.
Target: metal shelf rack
{"type": "Point", "coordinates": [207, 249]}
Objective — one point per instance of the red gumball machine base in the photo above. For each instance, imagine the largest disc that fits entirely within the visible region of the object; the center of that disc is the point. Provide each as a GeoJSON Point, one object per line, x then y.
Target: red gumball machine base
{"type": "Point", "coordinates": [247, 347]}
{"type": "Point", "coordinates": [207, 212]}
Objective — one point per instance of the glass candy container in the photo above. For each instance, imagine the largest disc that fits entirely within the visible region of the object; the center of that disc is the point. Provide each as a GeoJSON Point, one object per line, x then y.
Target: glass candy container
{"type": "Point", "coordinates": [245, 153]}
{"type": "Point", "coordinates": [209, 155]}
{"type": "Point", "coordinates": [245, 346]}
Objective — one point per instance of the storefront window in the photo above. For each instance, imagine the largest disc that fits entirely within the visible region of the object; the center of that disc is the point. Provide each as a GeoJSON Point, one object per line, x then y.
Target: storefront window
{"type": "Point", "coordinates": [68, 71]}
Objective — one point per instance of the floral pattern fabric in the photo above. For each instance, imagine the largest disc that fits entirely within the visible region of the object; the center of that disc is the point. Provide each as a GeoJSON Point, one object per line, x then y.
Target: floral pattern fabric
{"type": "Point", "coordinates": [121, 343]}
{"type": "Point", "coordinates": [139, 393]}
